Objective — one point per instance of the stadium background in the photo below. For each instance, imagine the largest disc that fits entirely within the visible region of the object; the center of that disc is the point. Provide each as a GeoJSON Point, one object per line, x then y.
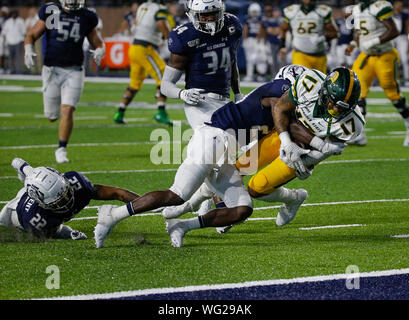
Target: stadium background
{"type": "Point", "coordinates": [112, 14]}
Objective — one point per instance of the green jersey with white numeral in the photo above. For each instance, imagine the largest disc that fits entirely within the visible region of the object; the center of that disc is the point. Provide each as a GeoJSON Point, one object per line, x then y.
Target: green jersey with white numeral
{"type": "Point", "coordinates": [305, 93]}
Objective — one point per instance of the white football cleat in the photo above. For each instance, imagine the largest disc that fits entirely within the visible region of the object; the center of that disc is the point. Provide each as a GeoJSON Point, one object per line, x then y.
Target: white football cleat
{"type": "Point", "coordinates": [406, 142]}
{"type": "Point", "coordinates": [176, 211]}
{"type": "Point", "coordinates": [288, 210]}
{"type": "Point", "coordinates": [225, 229]}
{"type": "Point", "coordinates": [205, 207]}
{"type": "Point", "coordinates": [104, 225]}
{"type": "Point", "coordinates": [176, 232]}
{"type": "Point", "coordinates": [360, 140]}
{"type": "Point", "coordinates": [61, 155]}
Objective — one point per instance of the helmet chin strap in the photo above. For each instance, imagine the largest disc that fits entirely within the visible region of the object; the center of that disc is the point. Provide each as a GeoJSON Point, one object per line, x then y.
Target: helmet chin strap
{"type": "Point", "coordinates": [211, 26]}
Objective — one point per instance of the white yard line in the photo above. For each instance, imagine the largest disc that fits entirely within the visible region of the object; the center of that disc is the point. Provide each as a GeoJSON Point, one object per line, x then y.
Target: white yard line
{"type": "Point", "coordinates": [400, 236]}
{"type": "Point", "coordinates": [239, 285]}
{"type": "Point", "coordinates": [175, 169]}
{"type": "Point", "coordinates": [333, 226]}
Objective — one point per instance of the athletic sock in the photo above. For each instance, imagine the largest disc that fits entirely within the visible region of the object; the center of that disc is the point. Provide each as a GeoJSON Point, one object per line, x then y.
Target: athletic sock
{"type": "Point", "coordinates": [193, 223]}
{"type": "Point", "coordinates": [161, 105]}
{"type": "Point", "coordinates": [62, 144]}
{"type": "Point", "coordinates": [122, 212]}
{"type": "Point", "coordinates": [279, 195]}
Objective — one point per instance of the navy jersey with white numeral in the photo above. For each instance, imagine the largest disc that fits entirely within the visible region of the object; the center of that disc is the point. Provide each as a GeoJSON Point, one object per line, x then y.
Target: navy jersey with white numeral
{"type": "Point", "coordinates": [346, 34]}
{"type": "Point", "coordinates": [40, 221]}
{"type": "Point", "coordinates": [65, 33]}
{"type": "Point", "coordinates": [249, 113]}
{"type": "Point", "coordinates": [253, 24]}
{"type": "Point", "coordinates": [210, 57]}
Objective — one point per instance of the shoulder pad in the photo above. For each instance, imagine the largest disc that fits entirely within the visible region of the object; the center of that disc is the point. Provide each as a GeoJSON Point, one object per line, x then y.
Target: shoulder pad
{"type": "Point", "coordinates": [324, 11]}
{"type": "Point", "coordinates": [381, 10]}
{"type": "Point", "coordinates": [306, 84]}
{"type": "Point", "coordinates": [291, 11]}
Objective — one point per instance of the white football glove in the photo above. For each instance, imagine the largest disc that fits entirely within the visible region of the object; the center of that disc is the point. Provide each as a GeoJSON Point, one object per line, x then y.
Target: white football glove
{"type": "Point", "coordinates": [326, 147]}
{"type": "Point", "coordinates": [98, 54]}
{"type": "Point", "coordinates": [290, 153]}
{"type": "Point", "coordinates": [29, 55]}
{"type": "Point", "coordinates": [22, 167]}
{"type": "Point", "coordinates": [368, 44]}
{"type": "Point", "coordinates": [191, 96]}
{"type": "Point", "coordinates": [238, 97]}
{"type": "Point", "coordinates": [78, 235]}
{"type": "Point", "coordinates": [304, 175]}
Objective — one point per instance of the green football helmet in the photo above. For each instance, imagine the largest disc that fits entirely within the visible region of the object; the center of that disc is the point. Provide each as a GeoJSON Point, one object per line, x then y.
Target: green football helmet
{"type": "Point", "coordinates": [342, 88]}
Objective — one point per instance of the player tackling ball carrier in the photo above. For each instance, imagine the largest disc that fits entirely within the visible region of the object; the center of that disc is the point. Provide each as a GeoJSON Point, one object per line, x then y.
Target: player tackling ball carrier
{"type": "Point", "coordinates": [326, 105]}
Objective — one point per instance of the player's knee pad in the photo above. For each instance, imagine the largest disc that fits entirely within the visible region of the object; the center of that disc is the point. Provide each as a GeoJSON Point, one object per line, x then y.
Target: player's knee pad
{"type": "Point", "coordinates": [258, 182]}
{"type": "Point", "coordinates": [362, 105]}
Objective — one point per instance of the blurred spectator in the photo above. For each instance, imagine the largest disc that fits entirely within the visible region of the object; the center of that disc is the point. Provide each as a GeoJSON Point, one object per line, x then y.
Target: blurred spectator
{"type": "Point", "coordinates": [271, 22]}
{"type": "Point", "coordinates": [30, 21]}
{"type": "Point", "coordinates": [4, 14]}
{"type": "Point", "coordinates": [178, 11]}
{"type": "Point", "coordinates": [129, 20]}
{"type": "Point", "coordinates": [251, 44]}
{"type": "Point", "coordinates": [401, 19]}
{"type": "Point", "coordinates": [345, 28]}
{"type": "Point", "coordinates": [14, 30]}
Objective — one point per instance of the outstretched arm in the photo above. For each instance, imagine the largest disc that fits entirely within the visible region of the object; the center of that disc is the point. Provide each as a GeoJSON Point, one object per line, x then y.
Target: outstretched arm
{"type": "Point", "coordinates": [102, 192]}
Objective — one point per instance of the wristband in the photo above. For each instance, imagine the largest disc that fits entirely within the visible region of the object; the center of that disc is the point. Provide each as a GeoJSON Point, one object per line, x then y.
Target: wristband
{"type": "Point", "coordinates": [317, 143]}
{"type": "Point", "coordinates": [29, 48]}
{"type": "Point", "coordinates": [285, 138]}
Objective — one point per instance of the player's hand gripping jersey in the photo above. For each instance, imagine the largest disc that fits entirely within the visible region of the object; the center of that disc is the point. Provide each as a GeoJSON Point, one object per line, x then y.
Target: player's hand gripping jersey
{"type": "Point", "coordinates": [368, 23]}
{"type": "Point", "coordinates": [211, 56]}
{"type": "Point", "coordinates": [308, 28]}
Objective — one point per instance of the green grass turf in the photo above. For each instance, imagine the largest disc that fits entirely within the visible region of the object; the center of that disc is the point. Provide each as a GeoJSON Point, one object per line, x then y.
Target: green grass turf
{"type": "Point", "coordinates": [138, 254]}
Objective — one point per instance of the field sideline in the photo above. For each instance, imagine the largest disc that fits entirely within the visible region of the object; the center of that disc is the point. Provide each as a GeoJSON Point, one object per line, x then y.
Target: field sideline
{"type": "Point", "coordinates": [356, 215]}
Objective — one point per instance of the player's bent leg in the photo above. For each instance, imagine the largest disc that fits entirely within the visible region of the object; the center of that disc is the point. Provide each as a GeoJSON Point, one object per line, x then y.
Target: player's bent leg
{"type": "Point", "coordinates": [127, 98]}
{"type": "Point", "coordinates": [266, 186]}
{"type": "Point", "coordinates": [109, 216]}
{"type": "Point", "coordinates": [201, 195]}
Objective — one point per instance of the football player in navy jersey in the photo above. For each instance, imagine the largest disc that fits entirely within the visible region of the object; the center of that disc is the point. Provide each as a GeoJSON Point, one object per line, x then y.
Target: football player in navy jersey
{"type": "Point", "coordinates": [205, 50]}
{"type": "Point", "coordinates": [64, 25]}
{"type": "Point", "coordinates": [50, 199]}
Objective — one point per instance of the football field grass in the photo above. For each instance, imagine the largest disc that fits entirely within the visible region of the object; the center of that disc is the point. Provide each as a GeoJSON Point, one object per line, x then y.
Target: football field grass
{"type": "Point", "coordinates": [358, 202]}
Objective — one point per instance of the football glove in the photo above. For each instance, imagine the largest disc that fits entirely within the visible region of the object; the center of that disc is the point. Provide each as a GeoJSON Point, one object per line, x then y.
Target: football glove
{"type": "Point", "coordinates": [191, 96]}
{"type": "Point", "coordinates": [29, 55]}
{"type": "Point", "coordinates": [78, 235]}
{"type": "Point", "coordinates": [290, 153]}
{"type": "Point", "coordinates": [238, 97]}
{"type": "Point", "coordinates": [326, 147]}
{"type": "Point", "coordinates": [98, 54]}
{"type": "Point", "coordinates": [368, 44]}
{"type": "Point", "coordinates": [304, 175]}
